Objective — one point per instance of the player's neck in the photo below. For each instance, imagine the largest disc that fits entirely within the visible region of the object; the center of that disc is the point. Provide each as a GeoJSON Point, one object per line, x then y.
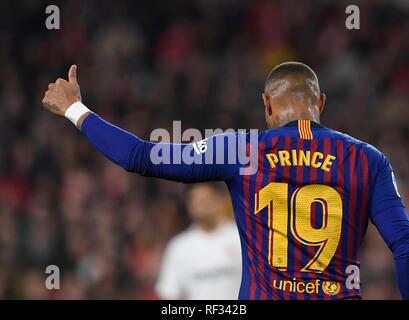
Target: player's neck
{"type": "Point", "coordinates": [210, 224]}
{"type": "Point", "coordinates": [285, 118]}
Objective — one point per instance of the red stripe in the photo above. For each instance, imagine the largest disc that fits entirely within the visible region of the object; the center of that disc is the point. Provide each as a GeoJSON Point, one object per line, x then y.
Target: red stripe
{"type": "Point", "coordinates": [300, 128]}
{"type": "Point", "coordinates": [259, 224]}
{"type": "Point", "coordinates": [365, 192]}
{"type": "Point", "coordinates": [341, 191]}
{"type": "Point", "coordinates": [304, 129]}
{"type": "Point", "coordinates": [246, 193]}
{"type": "Point", "coordinates": [271, 178]}
{"type": "Point", "coordinates": [285, 178]}
{"type": "Point", "coordinates": [307, 129]}
{"type": "Point", "coordinates": [353, 191]}
{"type": "Point", "coordinates": [298, 250]}
{"type": "Point", "coordinates": [364, 205]}
{"type": "Point", "coordinates": [327, 182]}
{"type": "Point", "coordinates": [313, 180]}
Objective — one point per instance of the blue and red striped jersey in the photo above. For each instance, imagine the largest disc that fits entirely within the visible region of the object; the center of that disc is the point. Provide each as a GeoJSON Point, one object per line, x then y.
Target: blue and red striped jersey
{"type": "Point", "coordinates": [302, 206]}
{"type": "Point", "coordinates": [303, 215]}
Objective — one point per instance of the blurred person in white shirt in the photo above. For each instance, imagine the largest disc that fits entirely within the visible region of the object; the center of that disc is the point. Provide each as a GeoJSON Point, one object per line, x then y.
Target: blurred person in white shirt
{"type": "Point", "coordinates": [204, 261]}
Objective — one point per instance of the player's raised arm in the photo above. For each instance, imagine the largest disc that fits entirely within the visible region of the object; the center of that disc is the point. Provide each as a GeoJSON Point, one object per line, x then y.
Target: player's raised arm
{"type": "Point", "coordinates": [63, 98]}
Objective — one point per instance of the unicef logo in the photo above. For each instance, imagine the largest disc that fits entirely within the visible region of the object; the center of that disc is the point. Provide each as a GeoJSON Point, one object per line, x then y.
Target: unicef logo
{"type": "Point", "coordinates": [331, 288]}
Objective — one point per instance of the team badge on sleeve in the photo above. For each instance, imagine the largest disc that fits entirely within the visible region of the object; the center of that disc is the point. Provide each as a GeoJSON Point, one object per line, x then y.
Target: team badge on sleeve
{"type": "Point", "coordinates": [395, 184]}
{"type": "Point", "coordinates": [200, 146]}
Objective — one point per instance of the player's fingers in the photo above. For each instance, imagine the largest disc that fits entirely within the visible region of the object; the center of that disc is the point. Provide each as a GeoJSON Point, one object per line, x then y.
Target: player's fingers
{"type": "Point", "coordinates": [72, 74]}
{"type": "Point", "coordinates": [48, 92]}
{"type": "Point", "coordinates": [45, 99]}
{"type": "Point", "coordinates": [59, 81]}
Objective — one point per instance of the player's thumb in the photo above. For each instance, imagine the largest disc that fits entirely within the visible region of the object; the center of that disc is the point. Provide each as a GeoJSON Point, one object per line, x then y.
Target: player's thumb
{"type": "Point", "coordinates": [72, 74]}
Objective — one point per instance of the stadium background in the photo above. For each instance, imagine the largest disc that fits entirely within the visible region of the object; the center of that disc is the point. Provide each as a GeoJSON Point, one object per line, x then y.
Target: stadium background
{"type": "Point", "coordinates": [141, 66]}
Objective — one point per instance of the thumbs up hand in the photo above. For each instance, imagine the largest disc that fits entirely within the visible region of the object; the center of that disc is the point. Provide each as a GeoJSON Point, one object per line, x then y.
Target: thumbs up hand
{"type": "Point", "coordinates": [62, 94]}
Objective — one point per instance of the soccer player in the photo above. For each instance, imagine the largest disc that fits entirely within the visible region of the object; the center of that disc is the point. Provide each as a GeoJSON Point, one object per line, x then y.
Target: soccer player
{"type": "Point", "coordinates": [204, 261]}
{"type": "Point", "coordinates": [303, 213]}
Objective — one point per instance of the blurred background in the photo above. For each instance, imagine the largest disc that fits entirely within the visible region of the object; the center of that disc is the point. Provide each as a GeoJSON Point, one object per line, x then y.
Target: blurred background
{"type": "Point", "coordinates": [143, 64]}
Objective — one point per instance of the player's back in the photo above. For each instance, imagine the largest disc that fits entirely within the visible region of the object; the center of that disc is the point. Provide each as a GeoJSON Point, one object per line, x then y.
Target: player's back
{"type": "Point", "coordinates": [303, 215]}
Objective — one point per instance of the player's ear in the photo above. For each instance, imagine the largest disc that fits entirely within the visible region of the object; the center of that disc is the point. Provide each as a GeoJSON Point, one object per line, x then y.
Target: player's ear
{"type": "Point", "coordinates": [322, 102]}
{"type": "Point", "coordinates": [266, 100]}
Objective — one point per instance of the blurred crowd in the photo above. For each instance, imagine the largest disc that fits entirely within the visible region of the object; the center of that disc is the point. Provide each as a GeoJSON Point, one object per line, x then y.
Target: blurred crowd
{"type": "Point", "coordinates": [141, 65]}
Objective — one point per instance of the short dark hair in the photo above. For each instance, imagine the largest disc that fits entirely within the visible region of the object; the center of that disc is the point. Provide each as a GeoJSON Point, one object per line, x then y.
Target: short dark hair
{"type": "Point", "coordinates": [291, 69]}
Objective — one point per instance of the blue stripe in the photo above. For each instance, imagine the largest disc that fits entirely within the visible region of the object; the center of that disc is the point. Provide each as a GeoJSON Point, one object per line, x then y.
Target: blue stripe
{"type": "Point", "coordinates": [292, 242]}
{"type": "Point", "coordinates": [359, 213]}
{"type": "Point", "coordinates": [236, 192]}
{"type": "Point", "coordinates": [334, 184]}
{"type": "Point", "coordinates": [279, 178]}
{"type": "Point", "coordinates": [252, 191]}
{"type": "Point", "coordinates": [346, 206]}
{"type": "Point", "coordinates": [267, 269]}
{"type": "Point", "coordinates": [320, 180]}
{"type": "Point", "coordinates": [261, 259]}
{"type": "Point", "coordinates": [305, 181]}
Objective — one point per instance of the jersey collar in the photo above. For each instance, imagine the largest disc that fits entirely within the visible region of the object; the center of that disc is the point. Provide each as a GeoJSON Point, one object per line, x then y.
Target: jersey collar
{"type": "Point", "coordinates": [295, 124]}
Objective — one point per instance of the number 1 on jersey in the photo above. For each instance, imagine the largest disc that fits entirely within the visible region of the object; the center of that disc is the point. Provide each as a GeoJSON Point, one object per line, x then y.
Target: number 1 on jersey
{"type": "Point", "coordinates": [274, 196]}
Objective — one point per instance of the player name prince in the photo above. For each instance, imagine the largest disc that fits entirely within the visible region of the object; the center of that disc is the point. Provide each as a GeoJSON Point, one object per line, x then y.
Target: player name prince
{"type": "Point", "coordinates": [302, 206]}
